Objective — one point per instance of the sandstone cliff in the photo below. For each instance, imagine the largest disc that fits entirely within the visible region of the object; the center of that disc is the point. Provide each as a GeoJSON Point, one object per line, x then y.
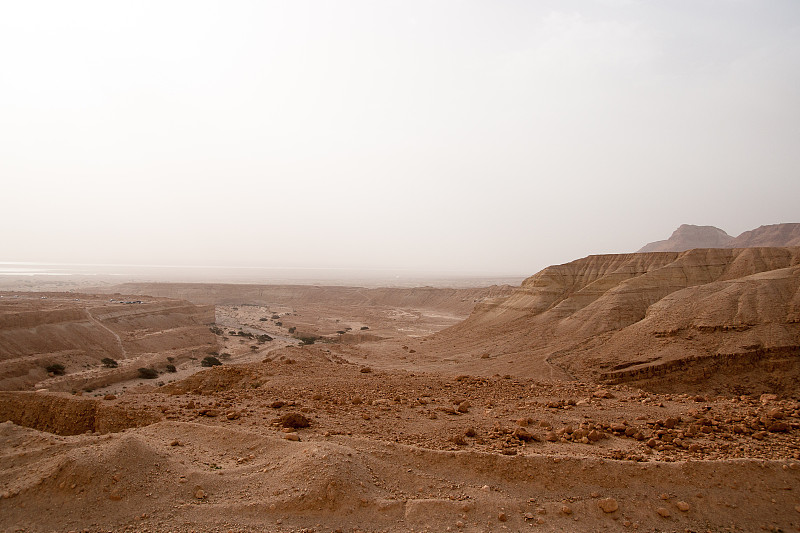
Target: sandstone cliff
{"type": "Point", "coordinates": [636, 316]}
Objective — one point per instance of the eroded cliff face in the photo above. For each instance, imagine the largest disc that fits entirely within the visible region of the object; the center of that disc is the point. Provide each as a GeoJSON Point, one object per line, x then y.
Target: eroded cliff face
{"type": "Point", "coordinates": [633, 316]}
{"type": "Point", "coordinates": [78, 331]}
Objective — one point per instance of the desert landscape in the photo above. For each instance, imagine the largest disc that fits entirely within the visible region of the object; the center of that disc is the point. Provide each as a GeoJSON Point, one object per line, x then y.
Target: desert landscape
{"type": "Point", "coordinates": [652, 391]}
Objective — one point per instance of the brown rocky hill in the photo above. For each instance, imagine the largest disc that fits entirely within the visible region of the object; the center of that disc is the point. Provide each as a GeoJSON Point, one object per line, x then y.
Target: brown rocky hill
{"type": "Point", "coordinates": [688, 236]}
{"type": "Point", "coordinates": [773, 235]}
{"type": "Point", "coordinates": [79, 330]}
{"type": "Point", "coordinates": [722, 318]}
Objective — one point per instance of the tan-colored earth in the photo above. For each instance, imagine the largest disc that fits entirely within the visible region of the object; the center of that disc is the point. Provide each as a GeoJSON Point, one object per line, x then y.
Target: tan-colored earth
{"type": "Point", "coordinates": [640, 392]}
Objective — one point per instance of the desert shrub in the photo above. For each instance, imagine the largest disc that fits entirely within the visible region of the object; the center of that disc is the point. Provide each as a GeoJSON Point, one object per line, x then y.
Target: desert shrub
{"type": "Point", "coordinates": [216, 330]}
{"type": "Point", "coordinates": [264, 338]}
{"type": "Point", "coordinates": [224, 355]}
{"type": "Point", "coordinates": [56, 368]}
{"type": "Point", "coordinates": [275, 317]}
{"type": "Point", "coordinates": [210, 361]}
{"type": "Point", "coordinates": [171, 368]}
{"type": "Point", "coordinates": [292, 330]}
{"type": "Point", "coordinates": [263, 319]}
{"type": "Point", "coordinates": [147, 373]}
{"type": "Point", "coordinates": [307, 339]}
{"type": "Point", "coordinates": [279, 324]}
{"type": "Point", "coordinates": [363, 328]}
{"type": "Point", "coordinates": [341, 332]}
{"type": "Point", "coordinates": [108, 362]}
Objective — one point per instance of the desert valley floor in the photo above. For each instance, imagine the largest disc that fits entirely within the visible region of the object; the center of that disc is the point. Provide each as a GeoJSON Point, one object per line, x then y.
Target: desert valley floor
{"type": "Point", "coordinates": [640, 392]}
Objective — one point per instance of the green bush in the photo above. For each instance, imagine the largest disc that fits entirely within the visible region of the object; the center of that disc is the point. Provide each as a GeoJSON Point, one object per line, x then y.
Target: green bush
{"type": "Point", "coordinates": [210, 361]}
{"type": "Point", "coordinates": [147, 373]}
{"type": "Point", "coordinates": [56, 368]}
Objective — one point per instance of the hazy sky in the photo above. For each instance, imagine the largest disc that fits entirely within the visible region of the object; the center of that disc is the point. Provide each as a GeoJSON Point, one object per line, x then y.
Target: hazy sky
{"type": "Point", "coordinates": [493, 136]}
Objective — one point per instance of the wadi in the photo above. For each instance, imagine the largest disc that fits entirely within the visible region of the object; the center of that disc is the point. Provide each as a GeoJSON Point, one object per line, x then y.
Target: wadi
{"type": "Point", "coordinates": [648, 391]}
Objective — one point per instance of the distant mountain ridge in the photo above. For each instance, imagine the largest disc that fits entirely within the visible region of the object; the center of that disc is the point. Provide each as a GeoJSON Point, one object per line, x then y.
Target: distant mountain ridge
{"type": "Point", "coordinates": [689, 237]}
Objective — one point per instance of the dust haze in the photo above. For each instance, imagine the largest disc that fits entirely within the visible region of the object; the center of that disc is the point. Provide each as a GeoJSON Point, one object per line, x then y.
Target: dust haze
{"type": "Point", "coordinates": [455, 136]}
{"type": "Point", "coordinates": [365, 267]}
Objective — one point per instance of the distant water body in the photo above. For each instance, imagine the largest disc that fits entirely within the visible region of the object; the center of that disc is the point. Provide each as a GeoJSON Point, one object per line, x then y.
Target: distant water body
{"type": "Point", "coordinates": [269, 275]}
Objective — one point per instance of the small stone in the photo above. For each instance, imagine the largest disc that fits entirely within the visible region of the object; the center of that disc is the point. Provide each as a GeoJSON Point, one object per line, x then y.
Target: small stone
{"type": "Point", "coordinates": [292, 437]}
{"type": "Point", "coordinates": [464, 406]}
{"type": "Point", "coordinates": [528, 516]}
{"type": "Point", "coordinates": [551, 436]}
{"type": "Point", "coordinates": [664, 496]}
{"type": "Point", "coordinates": [485, 488]}
{"type": "Point", "coordinates": [565, 509]}
{"type": "Point", "coordinates": [778, 427]}
{"type": "Point", "coordinates": [608, 505]}
{"type": "Point", "coordinates": [109, 397]}
{"type": "Point", "coordinates": [502, 516]}
{"type": "Point", "coordinates": [523, 434]}
{"type": "Point", "coordinates": [175, 443]}
{"type": "Point", "coordinates": [683, 506]}
{"type": "Point", "coordinates": [664, 512]}
{"type": "Point", "coordinates": [200, 494]}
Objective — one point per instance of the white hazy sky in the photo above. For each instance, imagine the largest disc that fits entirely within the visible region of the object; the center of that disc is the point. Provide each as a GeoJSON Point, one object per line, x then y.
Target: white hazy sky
{"type": "Point", "coordinates": [482, 137]}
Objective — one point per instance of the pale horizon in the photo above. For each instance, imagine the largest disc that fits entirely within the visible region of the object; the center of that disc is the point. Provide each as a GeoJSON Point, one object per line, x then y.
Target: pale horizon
{"type": "Point", "coordinates": [451, 137]}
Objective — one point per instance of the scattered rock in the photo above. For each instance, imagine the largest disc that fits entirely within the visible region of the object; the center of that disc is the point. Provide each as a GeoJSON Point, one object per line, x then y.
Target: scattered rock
{"type": "Point", "coordinates": [608, 505]}
{"type": "Point", "coordinates": [294, 420]}
{"type": "Point", "coordinates": [464, 406]}
{"type": "Point", "coordinates": [683, 506]}
{"type": "Point", "coordinates": [663, 511]}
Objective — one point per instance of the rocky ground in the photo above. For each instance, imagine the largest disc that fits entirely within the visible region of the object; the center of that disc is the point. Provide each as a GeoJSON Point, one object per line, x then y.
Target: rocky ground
{"type": "Point", "coordinates": [377, 436]}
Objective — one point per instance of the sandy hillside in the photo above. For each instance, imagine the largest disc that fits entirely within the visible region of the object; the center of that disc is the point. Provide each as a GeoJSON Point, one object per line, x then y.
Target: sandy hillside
{"type": "Point", "coordinates": [689, 315]}
{"type": "Point", "coordinates": [78, 331]}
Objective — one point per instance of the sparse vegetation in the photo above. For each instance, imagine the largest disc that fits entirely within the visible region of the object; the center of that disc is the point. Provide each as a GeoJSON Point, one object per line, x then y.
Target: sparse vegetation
{"type": "Point", "coordinates": [216, 330]}
{"type": "Point", "coordinates": [263, 319]}
{"type": "Point", "coordinates": [109, 363]}
{"type": "Point", "coordinates": [363, 328]}
{"type": "Point", "coordinates": [307, 339]}
{"type": "Point", "coordinates": [292, 330]}
{"type": "Point", "coordinates": [147, 373]}
{"type": "Point", "coordinates": [56, 369]}
{"type": "Point", "coordinates": [171, 368]}
{"type": "Point", "coordinates": [210, 361]}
